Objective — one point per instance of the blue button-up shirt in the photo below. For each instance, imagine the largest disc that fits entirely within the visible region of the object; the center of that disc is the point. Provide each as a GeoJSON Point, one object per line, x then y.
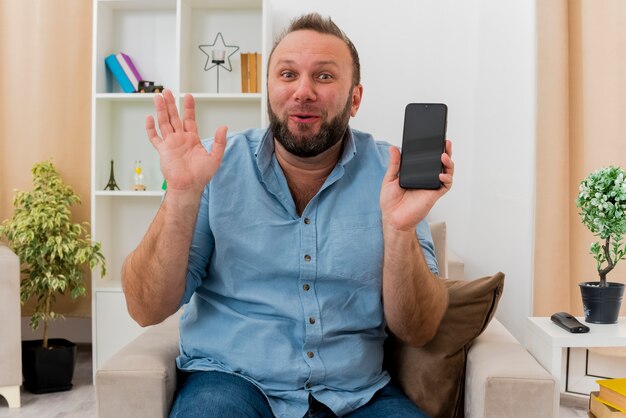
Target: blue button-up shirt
{"type": "Point", "coordinates": [291, 302]}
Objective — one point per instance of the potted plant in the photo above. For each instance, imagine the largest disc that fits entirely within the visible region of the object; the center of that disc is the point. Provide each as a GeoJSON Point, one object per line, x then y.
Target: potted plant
{"type": "Point", "coordinates": [602, 203]}
{"type": "Point", "coordinates": [53, 252]}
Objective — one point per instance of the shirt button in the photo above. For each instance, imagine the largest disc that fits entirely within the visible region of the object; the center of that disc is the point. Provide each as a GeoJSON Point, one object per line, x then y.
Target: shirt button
{"type": "Point", "coordinates": [307, 221]}
{"type": "Point", "coordinates": [310, 354]}
{"type": "Point", "coordinates": [307, 258]}
{"type": "Point", "coordinates": [311, 320]}
{"type": "Point", "coordinates": [306, 287]}
{"type": "Point", "coordinates": [307, 386]}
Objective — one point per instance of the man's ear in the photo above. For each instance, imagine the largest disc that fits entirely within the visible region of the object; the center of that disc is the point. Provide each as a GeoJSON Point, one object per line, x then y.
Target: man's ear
{"type": "Point", "coordinates": [357, 94]}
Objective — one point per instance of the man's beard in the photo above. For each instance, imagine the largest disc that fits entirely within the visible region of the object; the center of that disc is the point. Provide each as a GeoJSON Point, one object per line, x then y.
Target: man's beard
{"type": "Point", "coordinates": [309, 145]}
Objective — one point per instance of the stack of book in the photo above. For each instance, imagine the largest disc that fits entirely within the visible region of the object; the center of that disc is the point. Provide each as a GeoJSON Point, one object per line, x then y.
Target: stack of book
{"type": "Point", "coordinates": [251, 72]}
{"type": "Point", "coordinates": [124, 71]}
{"type": "Point", "coordinates": [610, 401]}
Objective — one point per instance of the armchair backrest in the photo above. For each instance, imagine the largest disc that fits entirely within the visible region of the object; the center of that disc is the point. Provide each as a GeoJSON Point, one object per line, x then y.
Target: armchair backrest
{"type": "Point", "coordinates": [438, 231]}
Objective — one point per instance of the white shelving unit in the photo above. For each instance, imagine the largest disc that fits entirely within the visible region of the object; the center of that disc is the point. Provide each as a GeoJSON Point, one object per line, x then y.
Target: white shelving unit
{"type": "Point", "coordinates": [162, 38]}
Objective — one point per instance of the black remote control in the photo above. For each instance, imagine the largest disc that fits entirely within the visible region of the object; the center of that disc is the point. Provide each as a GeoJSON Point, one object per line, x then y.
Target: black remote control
{"type": "Point", "coordinates": [569, 323]}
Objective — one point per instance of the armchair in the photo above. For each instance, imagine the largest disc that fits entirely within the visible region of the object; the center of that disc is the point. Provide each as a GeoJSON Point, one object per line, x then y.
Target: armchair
{"type": "Point", "coordinates": [502, 378]}
{"type": "Point", "coordinates": [10, 329]}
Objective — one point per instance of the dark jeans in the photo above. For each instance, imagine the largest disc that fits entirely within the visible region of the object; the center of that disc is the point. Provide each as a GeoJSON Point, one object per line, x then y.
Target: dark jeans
{"type": "Point", "coordinates": [222, 395]}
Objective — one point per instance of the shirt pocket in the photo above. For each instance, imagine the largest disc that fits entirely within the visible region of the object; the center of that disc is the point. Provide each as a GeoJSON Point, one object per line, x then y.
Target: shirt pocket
{"type": "Point", "coordinates": [357, 246]}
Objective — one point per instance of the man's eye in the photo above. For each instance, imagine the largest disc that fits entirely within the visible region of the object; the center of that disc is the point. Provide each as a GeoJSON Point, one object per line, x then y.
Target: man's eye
{"type": "Point", "coordinates": [287, 74]}
{"type": "Point", "coordinates": [325, 77]}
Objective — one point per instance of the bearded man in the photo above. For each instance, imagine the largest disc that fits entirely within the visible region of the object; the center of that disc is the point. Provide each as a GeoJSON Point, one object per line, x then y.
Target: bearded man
{"type": "Point", "coordinates": [293, 249]}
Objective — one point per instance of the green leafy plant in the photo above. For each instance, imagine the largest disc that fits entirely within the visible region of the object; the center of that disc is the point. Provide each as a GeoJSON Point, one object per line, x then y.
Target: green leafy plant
{"type": "Point", "coordinates": [602, 203]}
{"type": "Point", "coordinates": [53, 250]}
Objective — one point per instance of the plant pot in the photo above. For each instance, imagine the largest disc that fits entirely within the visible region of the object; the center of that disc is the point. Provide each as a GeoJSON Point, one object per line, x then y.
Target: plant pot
{"type": "Point", "coordinates": [49, 369]}
{"type": "Point", "coordinates": [601, 304]}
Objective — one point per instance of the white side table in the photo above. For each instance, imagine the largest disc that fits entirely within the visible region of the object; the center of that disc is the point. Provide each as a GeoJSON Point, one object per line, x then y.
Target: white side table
{"type": "Point", "coordinates": [548, 342]}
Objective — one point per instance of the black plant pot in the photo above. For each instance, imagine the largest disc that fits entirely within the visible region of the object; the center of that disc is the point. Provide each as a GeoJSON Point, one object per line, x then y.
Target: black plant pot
{"type": "Point", "coordinates": [49, 369]}
{"type": "Point", "coordinates": [601, 304]}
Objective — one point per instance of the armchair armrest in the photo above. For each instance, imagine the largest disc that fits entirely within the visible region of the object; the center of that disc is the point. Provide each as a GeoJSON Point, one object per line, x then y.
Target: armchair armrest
{"type": "Point", "coordinates": [456, 267]}
{"type": "Point", "coordinates": [504, 380]}
{"type": "Point", "coordinates": [140, 379]}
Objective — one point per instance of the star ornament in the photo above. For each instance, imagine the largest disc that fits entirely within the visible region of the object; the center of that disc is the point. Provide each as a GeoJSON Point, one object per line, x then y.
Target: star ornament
{"type": "Point", "coordinates": [218, 44]}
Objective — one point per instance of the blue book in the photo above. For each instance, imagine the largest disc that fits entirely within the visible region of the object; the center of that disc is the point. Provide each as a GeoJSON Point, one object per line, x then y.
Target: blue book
{"type": "Point", "coordinates": [118, 72]}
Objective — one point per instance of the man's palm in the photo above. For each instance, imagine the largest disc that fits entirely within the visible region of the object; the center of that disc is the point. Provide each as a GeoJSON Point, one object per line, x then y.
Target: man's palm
{"type": "Point", "coordinates": [185, 162]}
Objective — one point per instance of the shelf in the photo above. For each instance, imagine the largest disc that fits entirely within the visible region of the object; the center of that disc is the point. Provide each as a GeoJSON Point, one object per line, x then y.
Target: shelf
{"type": "Point", "coordinates": [253, 97]}
{"type": "Point", "coordinates": [162, 39]}
{"type": "Point", "coordinates": [130, 193]}
{"type": "Point", "coordinates": [146, 33]}
{"type": "Point", "coordinates": [224, 4]}
{"type": "Point", "coordinates": [138, 4]}
{"type": "Point", "coordinates": [125, 96]}
{"type": "Point", "coordinates": [122, 97]}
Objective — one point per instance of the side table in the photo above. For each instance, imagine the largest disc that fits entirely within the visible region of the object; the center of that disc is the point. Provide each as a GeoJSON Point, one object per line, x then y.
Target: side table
{"type": "Point", "coordinates": [548, 342]}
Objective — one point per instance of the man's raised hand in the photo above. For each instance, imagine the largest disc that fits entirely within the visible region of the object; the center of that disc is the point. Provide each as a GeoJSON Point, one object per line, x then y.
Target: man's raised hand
{"type": "Point", "coordinates": [185, 163]}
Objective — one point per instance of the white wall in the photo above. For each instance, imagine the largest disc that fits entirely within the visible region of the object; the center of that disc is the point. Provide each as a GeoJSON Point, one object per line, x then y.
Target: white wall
{"type": "Point", "coordinates": [77, 330]}
{"type": "Point", "coordinates": [478, 56]}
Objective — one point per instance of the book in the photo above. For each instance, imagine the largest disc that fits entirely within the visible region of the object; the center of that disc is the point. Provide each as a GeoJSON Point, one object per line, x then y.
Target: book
{"type": "Point", "coordinates": [116, 69]}
{"type": "Point", "coordinates": [613, 393]}
{"type": "Point", "coordinates": [252, 72]}
{"type": "Point", "coordinates": [129, 69]}
{"type": "Point", "coordinates": [245, 83]}
{"type": "Point", "coordinates": [601, 410]}
{"type": "Point", "coordinates": [258, 72]}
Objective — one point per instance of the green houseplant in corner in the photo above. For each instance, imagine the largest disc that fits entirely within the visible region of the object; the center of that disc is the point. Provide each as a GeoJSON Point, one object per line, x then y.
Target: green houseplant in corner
{"type": "Point", "coordinates": [602, 203]}
{"type": "Point", "coordinates": [53, 252]}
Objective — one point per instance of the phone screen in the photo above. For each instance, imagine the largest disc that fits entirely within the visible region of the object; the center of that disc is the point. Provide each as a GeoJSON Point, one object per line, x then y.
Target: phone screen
{"type": "Point", "coordinates": [423, 142]}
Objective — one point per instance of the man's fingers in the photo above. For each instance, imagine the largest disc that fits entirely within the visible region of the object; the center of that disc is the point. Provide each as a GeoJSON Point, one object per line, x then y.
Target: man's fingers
{"type": "Point", "coordinates": [163, 117]}
{"type": "Point", "coordinates": [153, 136]}
{"type": "Point", "coordinates": [448, 166]}
{"type": "Point", "coordinates": [219, 144]}
{"type": "Point", "coordinates": [394, 165]}
{"type": "Point", "coordinates": [448, 147]}
{"type": "Point", "coordinates": [172, 110]}
{"type": "Point", "coordinates": [446, 159]}
{"type": "Point", "coordinates": [189, 114]}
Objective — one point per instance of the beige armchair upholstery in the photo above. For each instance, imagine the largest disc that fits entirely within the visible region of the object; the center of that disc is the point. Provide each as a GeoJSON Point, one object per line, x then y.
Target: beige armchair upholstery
{"type": "Point", "coordinates": [502, 379]}
{"type": "Point", "coordinates": [10, 327]}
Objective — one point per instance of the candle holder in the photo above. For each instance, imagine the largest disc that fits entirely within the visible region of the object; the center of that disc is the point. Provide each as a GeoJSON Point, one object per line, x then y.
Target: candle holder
{"type": "Point", "coordinates": [219, 55]}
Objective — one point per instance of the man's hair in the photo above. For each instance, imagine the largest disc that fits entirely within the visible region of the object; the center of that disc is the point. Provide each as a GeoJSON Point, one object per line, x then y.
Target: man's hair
{"type": "Point", "coordinates": [319, 24]}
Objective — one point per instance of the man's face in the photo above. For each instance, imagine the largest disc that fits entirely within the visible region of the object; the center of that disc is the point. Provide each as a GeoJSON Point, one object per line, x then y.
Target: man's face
{"type": "Point", "coordinates": [310, 92]}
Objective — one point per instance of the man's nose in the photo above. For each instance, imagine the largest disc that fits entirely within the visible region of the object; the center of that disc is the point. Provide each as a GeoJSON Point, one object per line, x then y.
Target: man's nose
{"type": "Point", "coordinates": [305, 90]}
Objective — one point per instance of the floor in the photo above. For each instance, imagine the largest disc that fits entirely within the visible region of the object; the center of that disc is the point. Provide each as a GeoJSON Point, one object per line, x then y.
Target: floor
{"type": "Point", "coordinates": [80, 402]}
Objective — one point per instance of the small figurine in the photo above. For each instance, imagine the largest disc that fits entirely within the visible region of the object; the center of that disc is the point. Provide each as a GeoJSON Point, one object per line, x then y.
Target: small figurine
{"type": "Point", "coordinates": [138, 184]}
{"type": "Point", "coordinates": [111, 185]}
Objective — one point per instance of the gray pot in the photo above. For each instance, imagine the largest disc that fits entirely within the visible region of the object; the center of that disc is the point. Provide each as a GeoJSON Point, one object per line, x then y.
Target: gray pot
{"type": "Point", "coordinates": [601, 304]}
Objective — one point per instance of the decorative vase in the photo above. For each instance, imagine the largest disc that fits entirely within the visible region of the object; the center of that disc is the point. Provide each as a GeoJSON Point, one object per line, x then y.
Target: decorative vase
{"type": "Point", "coordinates": [50, 369]}
{"type": "Point", "coordinates": [601, 304]}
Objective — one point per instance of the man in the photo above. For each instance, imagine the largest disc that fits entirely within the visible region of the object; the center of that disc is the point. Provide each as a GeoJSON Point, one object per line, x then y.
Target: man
{"type": "Point", "coordinates": [294, 248]}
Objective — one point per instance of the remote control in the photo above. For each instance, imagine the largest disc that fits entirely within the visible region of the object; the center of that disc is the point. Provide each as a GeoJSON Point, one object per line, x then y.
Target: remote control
{"type": "Point", "coordinates": [569, 323]}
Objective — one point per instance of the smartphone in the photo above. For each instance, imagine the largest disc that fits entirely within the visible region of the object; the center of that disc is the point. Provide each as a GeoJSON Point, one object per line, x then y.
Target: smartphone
{"type": "Point", "coordinates": [423, 142]}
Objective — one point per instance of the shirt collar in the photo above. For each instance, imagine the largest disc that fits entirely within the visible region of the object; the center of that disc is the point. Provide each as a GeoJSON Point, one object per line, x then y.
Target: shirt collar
{"type": "Point", "coordinates": [349, 148]}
